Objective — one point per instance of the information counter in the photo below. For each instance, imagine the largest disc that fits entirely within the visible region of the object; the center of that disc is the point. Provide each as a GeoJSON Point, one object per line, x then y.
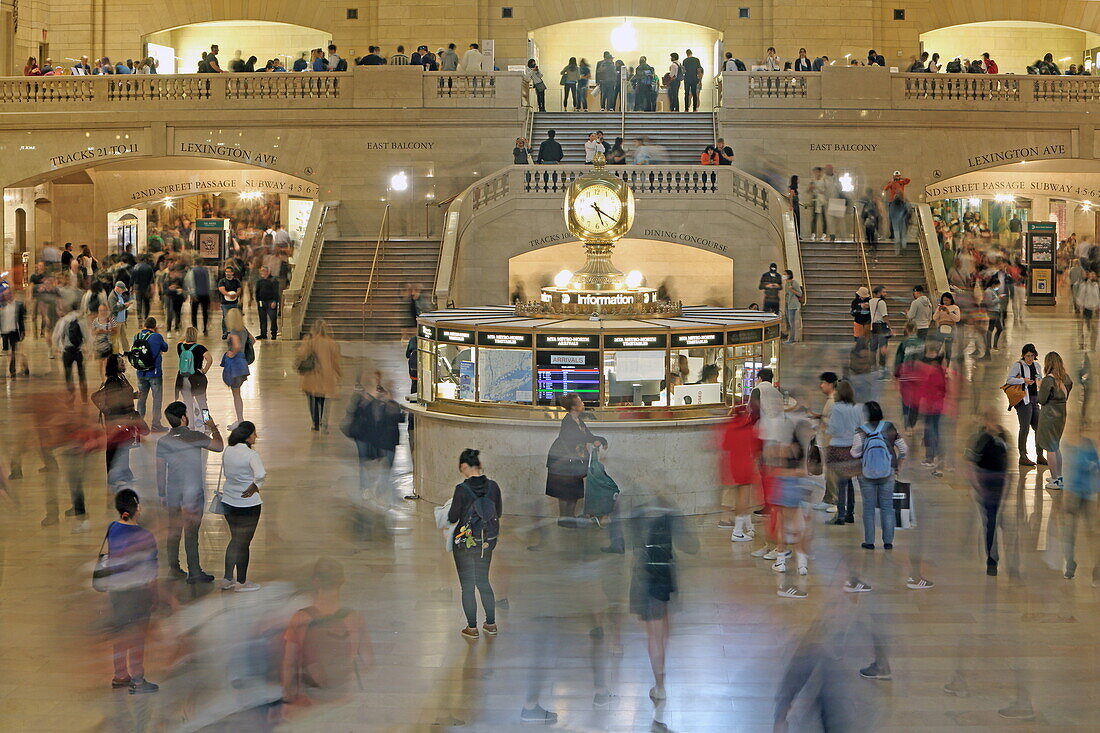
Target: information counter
{"type": "Point", "coordinates": [655, 387]}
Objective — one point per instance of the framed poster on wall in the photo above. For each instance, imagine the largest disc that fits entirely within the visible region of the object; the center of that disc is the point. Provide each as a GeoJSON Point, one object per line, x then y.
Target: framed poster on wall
{"type": "Point", "coordinates": [210, 245]}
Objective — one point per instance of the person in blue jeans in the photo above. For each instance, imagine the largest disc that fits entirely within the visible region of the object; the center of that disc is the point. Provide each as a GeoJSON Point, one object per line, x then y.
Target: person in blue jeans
{"type": "Point", "coordinates": [151, 380]}
{"type": "Point", "coordinates": [880, 448]}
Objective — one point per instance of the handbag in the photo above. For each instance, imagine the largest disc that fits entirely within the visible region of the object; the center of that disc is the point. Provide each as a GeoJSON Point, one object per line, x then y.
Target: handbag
{"type": "Point", "coordinates": [441, 522]}
{"type": "Point", "coordinates": [600, 490]}
{"type": "Point", "coordinates": [216, 505]}
{"type": "Point", "coordinates": [814, 464]}
{"type": "Point", "coordinates": [307, 363]}
{"type": "Point", "coordinates": [102, 572]}
{"type": "Point", "coordinates": [1014, 393]}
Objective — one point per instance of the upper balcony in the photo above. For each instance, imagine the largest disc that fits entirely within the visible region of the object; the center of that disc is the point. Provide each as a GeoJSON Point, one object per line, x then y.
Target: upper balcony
{"type": "Point", "coordinates": [876, 88]}
{"type": "Point", "coordinates": [407, 87]}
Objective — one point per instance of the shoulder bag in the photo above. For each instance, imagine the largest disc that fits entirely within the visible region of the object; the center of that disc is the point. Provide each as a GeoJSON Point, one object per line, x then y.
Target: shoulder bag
{"type": "Point", "coordinates": [1014, 392]}
{"type": "Point", "coordinates": [216, 505]}
{"type": "Point", "coordinates": [102, 572]}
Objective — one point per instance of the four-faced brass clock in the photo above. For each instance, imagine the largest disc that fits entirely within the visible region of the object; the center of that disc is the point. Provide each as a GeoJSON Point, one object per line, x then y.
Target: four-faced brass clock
{"type": "Point", "coordinates": [599, 206]}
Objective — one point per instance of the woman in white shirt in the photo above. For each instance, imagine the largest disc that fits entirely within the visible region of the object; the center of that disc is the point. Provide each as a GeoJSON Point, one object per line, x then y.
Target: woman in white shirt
{"type": "Point", "coordinates": [591, 147]}
{"type": "Point", "coordinates": [1027, 374]}
{"type": "Point", "coordinates": [244, 473]}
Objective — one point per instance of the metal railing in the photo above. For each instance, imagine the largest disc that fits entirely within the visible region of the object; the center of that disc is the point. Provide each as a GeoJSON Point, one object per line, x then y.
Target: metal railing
{"type": "Point", "coordinates": [379, 245]}
{"type": "Point", "coordinates": [860, 238]}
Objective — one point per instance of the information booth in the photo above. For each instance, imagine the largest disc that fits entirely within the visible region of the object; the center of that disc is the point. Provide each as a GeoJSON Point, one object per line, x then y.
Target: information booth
{"type": "Point", "coordinates": [656, 388]}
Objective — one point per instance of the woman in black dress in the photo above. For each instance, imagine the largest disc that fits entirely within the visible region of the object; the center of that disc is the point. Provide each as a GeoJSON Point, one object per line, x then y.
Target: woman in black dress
{"type": "Point", "coordinates": [567, 462]}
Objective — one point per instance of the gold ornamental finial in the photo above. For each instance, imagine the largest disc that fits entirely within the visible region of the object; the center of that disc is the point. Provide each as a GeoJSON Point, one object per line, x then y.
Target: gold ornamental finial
{"type": "Point", "coordinates": [598, 161]}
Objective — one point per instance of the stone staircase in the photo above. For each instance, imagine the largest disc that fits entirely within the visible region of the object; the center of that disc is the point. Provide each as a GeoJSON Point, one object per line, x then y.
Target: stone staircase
{"type": "Point", "coordinates": [341, 282]}
{"type": "Point", "coordinates": [833, 271]}
{"type": "Point", "coordinates": [683, 135]}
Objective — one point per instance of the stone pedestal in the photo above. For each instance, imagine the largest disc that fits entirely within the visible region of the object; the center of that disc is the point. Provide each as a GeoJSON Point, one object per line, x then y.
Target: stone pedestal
{"type": "Point", "coordinates": [676, 457]}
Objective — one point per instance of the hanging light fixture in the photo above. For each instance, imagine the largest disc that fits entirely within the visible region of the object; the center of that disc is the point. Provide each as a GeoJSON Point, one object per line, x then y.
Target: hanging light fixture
{"type": "Point", "coordinates": [624, 38]}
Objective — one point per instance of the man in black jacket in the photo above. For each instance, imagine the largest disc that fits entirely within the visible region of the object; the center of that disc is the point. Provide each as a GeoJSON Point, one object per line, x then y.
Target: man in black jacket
{"type": "Point", "coordinates": [550, 150]}
{"type": "Point", "coordinates": [693, 72]}
{"type": "Point", "coordinates": [607, 75]}
{"type": "Point", "coordinates": [267, 301]}
{"type": "Point", "coordinates": [141, 282]}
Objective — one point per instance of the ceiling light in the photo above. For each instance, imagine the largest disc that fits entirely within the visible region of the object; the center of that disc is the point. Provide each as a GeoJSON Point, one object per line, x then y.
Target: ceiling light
{"type": "Point", "coordinates": [624, 38]}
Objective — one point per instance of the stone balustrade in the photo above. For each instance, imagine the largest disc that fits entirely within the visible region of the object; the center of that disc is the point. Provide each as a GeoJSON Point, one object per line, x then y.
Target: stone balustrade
{"type": "Point", "coordinates": [842, 87]}
{"type": "Point", "coordinates": [362, 87]}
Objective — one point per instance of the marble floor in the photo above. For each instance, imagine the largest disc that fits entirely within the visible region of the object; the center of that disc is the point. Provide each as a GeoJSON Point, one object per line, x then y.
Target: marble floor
{"type": "Point", "coordinates": [567, 633]}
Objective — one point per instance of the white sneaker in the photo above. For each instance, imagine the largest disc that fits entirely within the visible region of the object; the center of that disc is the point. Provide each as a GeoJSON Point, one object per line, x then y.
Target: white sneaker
{"type": "Point", "coordinates": [830, 508]}
{"type": "Point", "coordinates": [739, 536]}
{"type": "Point", "coordinates": [780, 564]}
{"type": "Point", "coordinates": [771, 554]}
{"type": "Point", "coordinates": [227, 584]}
{"type": "Point", "coordinates": [857, 586]}
{"type": "Point", "coordinates": [246, 587]}
{"type": "Point", "coordinates": [1055, 483]}
{"type": "Point", "coordinates": [81, 527]}
{"type": "Point", "coordinates": [821, 507]}
{"type": "Point", "coordinates": [763, 552]}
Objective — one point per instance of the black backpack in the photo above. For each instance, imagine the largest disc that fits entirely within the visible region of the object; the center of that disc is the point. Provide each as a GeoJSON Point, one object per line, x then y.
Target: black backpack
{"type": "Point", "coordinates": [740, 65]}
{"type": "Point", "coordinates": [75, 334]}
{"type": "Point", "coordinates": [480, 525]}
{"type": "Point", "coordinates": [141, 356]}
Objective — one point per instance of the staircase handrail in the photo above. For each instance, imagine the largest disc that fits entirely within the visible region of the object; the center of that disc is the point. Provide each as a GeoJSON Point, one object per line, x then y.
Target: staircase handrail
{"type": "Point", "coordinates": [935, 273]}
{"type": "Point", "coordinates": [379, 243]}
{"type": "Point", "coordinates": [860, 239]}
{"type": "Point", "coordinates": [296, 297]}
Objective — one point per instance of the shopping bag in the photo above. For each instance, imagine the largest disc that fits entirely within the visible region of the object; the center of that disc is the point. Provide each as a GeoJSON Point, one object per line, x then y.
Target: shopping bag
{"type": "Point", "coordinates": [599, 488]}
{"type": "Point", "coordinates": [441, 522]}
{"type": "Point", "coordinates": [903, 505]}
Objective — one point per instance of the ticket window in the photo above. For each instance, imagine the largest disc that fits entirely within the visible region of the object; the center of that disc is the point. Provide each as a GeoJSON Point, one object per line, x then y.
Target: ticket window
{"type": "Point", "coordinates": [455, 372]}
{"type": "Point", "coordinates": [742, 365]}
{"type": "Point", "coordinates": [697, 377]}
{"type": "Point", "coordinates": [635, 377]}
{"type": "Point", "coordinates": [504, 376]}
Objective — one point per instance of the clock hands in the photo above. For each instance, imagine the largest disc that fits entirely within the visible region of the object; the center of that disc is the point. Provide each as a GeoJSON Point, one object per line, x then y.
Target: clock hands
{"type": "Point", "coordinates": [599, 211]}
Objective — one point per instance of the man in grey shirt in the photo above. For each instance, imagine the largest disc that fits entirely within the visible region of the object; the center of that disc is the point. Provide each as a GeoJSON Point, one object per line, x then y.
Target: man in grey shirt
{"type": "Point", "coordinates": [180, 472]}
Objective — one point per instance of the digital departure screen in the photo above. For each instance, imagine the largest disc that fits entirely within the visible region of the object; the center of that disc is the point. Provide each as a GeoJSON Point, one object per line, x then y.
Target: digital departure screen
{"type": "Point", "coordinates": [563, 372]}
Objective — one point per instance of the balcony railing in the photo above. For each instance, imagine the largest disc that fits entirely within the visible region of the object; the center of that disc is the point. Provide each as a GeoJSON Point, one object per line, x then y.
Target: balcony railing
{"type": "Point", "coordinates": [877, 88]}
{"type": "Point", "coordinates": [362, 87]}
{"type": "Point", "coordinates": [544, 185]}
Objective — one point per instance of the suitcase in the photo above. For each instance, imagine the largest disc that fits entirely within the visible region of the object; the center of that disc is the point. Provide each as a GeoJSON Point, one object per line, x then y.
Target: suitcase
{"type": "Point", "coordinates": [600, 490]}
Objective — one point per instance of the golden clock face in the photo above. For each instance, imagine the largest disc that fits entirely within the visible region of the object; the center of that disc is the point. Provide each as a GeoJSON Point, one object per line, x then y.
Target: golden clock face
{"type": "Point", "coordinates": [598, 209]}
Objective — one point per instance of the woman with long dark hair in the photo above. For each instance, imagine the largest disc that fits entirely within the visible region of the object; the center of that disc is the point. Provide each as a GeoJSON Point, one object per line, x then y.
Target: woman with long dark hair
{"type": "Point", "coordinates": [1053, 393]}
{"type": "Point", "coordinates": [475, 511]}
{"type": "Point", "coordinates": [792, 196]}
{"type": "Point", "coordinates": [243, 475]}
{"type": "Point", "coordinates": [567, 461]}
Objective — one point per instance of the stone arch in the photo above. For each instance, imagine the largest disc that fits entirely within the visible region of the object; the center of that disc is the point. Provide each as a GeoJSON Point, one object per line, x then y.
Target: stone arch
{"type": "Point", "coordinates": [177, 13]}
{"type": "Point", "coordinates": [1079, 14]}
{"type": "Point", "coordinates": [710, 15]}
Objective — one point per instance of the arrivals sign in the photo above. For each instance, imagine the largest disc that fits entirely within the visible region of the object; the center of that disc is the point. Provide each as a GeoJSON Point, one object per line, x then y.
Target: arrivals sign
{"type": "Point", "coordinates": [567, 341]}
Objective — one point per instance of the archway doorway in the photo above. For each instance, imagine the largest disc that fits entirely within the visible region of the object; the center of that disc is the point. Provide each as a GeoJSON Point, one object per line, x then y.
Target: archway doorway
{"type": "Point", "coordinates": [1014, 45]}
{"type": "Point", "coordinates": [688, 274]}
{"type": "Point", "coordinates": [979, 207]}
{"type": "Point", "coordinates": [179, 49]}
{"type": "Point", "coordinates": [628, 39]}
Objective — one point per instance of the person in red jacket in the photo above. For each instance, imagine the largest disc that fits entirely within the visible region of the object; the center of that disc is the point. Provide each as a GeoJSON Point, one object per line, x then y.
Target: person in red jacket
{"type": "Point", "coordinates": [990, 64]}
{"type": "Point", "coordinates": [740, 470]}
{"type": "Point", "coordinates": [931, 384]}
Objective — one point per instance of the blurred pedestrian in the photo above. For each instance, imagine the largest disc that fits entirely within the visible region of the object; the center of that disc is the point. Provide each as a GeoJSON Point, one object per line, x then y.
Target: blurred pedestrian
{"type": "Point", "coordinates": [122, 423]}
{"type": "Point", "coordinates": [319, 367]}
{"type": "Point", "coordinates": [244, 474]}
{"type": "Point", "coordinates": [1079, 503]}
{"type": "Point", "coordinates": [132, 553]}
{"type": "Point", "coordinates": [987, 458]}
{"type": "Point", "coordinates": [739, 463]}
{"type": "Point", "coordinates": [567, 460]}
{"type": "Point", "coordinates": [70, 337]}
{"type": "Point", "coordinates": [844, 419]}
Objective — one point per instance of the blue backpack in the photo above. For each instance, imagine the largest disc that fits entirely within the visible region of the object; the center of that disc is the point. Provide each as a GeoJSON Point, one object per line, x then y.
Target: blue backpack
{"type": "Point", "coordinates": [878, 458]}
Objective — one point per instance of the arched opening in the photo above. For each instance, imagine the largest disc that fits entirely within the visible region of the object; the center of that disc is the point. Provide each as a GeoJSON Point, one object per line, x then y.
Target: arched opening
{"type": "Point", "coordinates": [689, 274]}
{"type": "Point", "coordinates": [628, 39]}
{"type": "Point", "coordinates": [980, 207]}
{"type": "Point", "coordinates": [1014, 45]}
{"type": "Point", "coordinates": [179, 49]}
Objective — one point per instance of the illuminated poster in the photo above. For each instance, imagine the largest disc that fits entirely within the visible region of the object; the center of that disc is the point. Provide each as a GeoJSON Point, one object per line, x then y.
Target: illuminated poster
{"type": "Point", "coordinates": [465, 380]}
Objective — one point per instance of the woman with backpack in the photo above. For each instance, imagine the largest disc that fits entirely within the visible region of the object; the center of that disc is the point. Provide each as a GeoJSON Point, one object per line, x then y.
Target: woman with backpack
{"type": "Point", "coordinates": [318, 363]}
{"type": "Point", "coordinates": [475, 511]}
{"type": "Point", "coordinates": [123, 425]}
{"type": "Point", "coordinates": [195, 361]}
{"type": "Point", "coordinates": [235, 361]}
{"type": "Point", "coordinates": [880, 448]}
